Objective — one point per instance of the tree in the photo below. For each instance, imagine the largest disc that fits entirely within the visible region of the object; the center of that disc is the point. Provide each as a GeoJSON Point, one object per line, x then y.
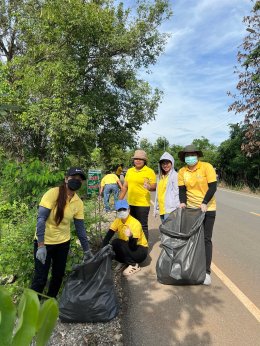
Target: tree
{"type": "Point", "coordinates": [72, 67]}
{"type": "Point", "coordinates": [247, 101]}
{"type": "Point", "coordinates": [233, 166]}
{"type": "Point", "coordinates": [208, 149]}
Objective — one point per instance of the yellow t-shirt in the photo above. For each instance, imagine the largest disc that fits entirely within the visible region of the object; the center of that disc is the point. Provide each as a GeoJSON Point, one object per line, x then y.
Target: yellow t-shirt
{"type": "Point", "coordinates": [137, 194]}
{"type": "Point", "coordinates": [109, 179]}
{"type": "Point", "coordinates": [73, 210]}
{"type": "Point", "coordinates": [135, 227]}
{"type": "Point", "coordinates": [196, 183]}
{"type": "Point", "coordinates": [161, 193]}
{"type": "Point", "coordinates": [119, 170]}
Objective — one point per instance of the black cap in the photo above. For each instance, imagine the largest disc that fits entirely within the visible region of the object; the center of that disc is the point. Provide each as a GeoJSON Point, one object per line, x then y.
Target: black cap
{"type": "Point", "coordinates": [76, 171]}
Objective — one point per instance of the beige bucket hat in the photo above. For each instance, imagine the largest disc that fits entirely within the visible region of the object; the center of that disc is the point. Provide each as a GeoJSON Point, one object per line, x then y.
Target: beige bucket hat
{"type": "Point", "coordinates": [140, 154]}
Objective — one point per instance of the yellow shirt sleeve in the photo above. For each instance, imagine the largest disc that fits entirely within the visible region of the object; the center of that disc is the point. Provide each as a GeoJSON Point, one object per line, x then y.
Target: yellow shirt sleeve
{"type": "Point", "coordinates": [114, 225]}
{"type": "Point", "coordinates": [80, 213]}
{"type": "Point", "coordinates": [152, 176]}
{"type": "Point", "coordinates": [180, 177]}
{"type": "Point", "coordinates": [210, 173]}
{"type": "Point", "coordinates": [49, 198]}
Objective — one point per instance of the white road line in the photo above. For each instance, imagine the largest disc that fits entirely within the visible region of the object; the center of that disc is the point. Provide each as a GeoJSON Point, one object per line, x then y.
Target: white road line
{"type": "Point", "coordinates": [238, 193]}
{"type": "Point", "coordinates": [251, 212]}
{"type": "Point", "coordinates": [251, 307]}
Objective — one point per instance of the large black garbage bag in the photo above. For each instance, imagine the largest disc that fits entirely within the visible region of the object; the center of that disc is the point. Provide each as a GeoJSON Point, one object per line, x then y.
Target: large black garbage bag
{"type": "Point", "coordinates": [182, 259]}
{"type": "Point", "coordinates": [89, 293]}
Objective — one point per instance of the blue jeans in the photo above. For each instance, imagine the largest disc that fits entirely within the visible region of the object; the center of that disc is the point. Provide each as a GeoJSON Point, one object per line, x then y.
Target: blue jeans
{"type": "Point", "coordinates": [110, 189]}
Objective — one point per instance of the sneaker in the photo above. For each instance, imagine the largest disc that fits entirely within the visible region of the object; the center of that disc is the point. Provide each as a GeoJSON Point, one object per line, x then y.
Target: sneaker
{"type": "Point", "coordinates": [120, 266]}
{"type": "Point", "coordinates": [131, 269]}
{"type": "Point", "coordinates": [207, 280]}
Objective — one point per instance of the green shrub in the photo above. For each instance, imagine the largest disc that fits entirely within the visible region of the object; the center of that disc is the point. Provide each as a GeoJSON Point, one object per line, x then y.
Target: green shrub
{"type": "Point", "coordinates": [33, 319]}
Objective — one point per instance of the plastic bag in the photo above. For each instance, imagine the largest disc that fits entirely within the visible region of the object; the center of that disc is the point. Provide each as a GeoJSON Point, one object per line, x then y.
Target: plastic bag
{"type": "Point", "coordinates": [182, 259]}
{"type": "Point", "coordinates": [89, 293]}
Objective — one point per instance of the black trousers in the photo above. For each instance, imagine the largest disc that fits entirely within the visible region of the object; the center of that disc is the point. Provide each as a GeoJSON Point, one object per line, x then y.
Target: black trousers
{"type": "Point", "coordinates": [141, 214]}
{"type": "Point", "coordinates": [125, 255]}
{"type": "Point", "coordinates": [208, 230]}
{"type": "Point", "coordinates": [56, 258]}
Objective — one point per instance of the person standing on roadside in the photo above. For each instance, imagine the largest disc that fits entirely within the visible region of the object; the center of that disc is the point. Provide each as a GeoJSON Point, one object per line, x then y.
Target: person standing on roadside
{"type": "Point", "coordinates": [139, 181]}
{"type": "Point", "coordinates": [167, 191]}
{"type": "Point", "coordinates": [197, 186]}
{"type": "Point", "coordinates": [110, 185]}
{"type": "Point", "coordinates": [57, 208]}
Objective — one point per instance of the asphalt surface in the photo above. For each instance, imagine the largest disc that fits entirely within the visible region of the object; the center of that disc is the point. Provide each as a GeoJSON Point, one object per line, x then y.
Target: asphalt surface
{"type": "Point", "coordinates": [157, 314]}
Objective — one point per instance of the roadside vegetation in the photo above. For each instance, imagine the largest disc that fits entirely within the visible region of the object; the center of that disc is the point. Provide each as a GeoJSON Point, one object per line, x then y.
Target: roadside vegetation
{"type": "Point", "coordinates": [70, 94]}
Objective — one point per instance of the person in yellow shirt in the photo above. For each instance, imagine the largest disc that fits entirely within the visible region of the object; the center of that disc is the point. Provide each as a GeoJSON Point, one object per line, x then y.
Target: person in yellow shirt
{"type": "Point", "coordinates": [167, 191]}
{"type": "Point", "coordinates": [131, 247]}
{"type": "Point", "coordinates": [57, 208]}
{"type": "Point", "coordinates": [138, 183]}
{"type": "Point", "coordinates": [110, 185]}
{"type": "Point", "coordinates": [197, 185]}
{"type": "Point", "coordinates": [119, 170]}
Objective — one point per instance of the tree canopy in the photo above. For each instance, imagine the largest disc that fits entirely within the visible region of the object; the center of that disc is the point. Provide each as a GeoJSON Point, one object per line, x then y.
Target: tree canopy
{"type": "Point", "coordinates": [71, 70]}
{"type": "Point", "coordinates": [247, 101]}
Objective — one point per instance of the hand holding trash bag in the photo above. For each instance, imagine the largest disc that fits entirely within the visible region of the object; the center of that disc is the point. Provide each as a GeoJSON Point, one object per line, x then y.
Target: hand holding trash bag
{"type": "Point", "coordinates": [41, 254]}
{"type": "Point", "coordinates": [87, 255]}
{"type": "Point", "coordinates": [203, 207]}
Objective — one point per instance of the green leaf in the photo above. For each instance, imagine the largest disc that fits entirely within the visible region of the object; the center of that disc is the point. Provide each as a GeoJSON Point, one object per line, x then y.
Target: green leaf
{"type": "Point", "coordinates": [7, 317]}
{"type": "Point", "coordinates": [28, 312]}
{"type": "Point", "coordinates": [47, 320]}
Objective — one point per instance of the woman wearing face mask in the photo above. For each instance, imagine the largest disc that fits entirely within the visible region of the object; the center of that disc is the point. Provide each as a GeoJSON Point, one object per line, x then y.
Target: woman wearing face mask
{"type": "Point", "coordinates": [197, 186]}
{"type": "Point", "coordinates": [57, 208]}
{"type": "Point", "coordinates": [138, 183]}
{"type": "Point", "coordinates": [131, 247]}
{"type": "Point", "coordinates": [167, 191]}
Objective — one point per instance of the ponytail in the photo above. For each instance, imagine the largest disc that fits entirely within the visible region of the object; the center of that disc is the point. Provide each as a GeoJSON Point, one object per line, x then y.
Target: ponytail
{"type": "Point", "coordinates": [60, 203]}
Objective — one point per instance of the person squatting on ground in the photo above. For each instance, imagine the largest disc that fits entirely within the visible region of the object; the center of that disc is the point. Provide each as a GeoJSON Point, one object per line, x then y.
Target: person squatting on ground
{"type": "Point", "coordinates": [139, 181]}
{"type": "Point", "coordinates": [110, 185]}
{"type": "Point", "coordinates": [57, 208]}
{"type": "Point", "coordinates": [131, 247]}
{"type": "Point", "coordinates": [167, 191]}
{"type": "Point", "coordinates": [197, 186]}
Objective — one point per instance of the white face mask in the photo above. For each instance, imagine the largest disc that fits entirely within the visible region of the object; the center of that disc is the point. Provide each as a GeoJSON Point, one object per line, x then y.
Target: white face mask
{"type": "Point", "coordinates": [123, 214]}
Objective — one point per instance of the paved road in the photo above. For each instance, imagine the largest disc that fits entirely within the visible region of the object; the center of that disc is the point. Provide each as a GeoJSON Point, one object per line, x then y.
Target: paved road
{"type": "Point", "coordinates": [198, 315]}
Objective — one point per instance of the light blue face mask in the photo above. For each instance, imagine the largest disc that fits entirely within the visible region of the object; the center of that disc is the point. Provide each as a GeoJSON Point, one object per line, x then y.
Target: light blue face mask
{"type": "Point", "coordinates": [191, 160]}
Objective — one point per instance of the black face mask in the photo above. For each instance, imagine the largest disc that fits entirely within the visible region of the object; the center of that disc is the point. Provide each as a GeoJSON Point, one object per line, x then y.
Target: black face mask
{"type": "Point", "coordinates": [74, 184]}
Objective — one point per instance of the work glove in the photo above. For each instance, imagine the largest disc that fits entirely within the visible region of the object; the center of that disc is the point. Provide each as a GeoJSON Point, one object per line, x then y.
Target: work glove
{"type": "Point", "coordinates": [87, 255]}
{"type": "Point", "coordinates": [203, 207]}
{"type": "Point", "coordinates": [41, 254]}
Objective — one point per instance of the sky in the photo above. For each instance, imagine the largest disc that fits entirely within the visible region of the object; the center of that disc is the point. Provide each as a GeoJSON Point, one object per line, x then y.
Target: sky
{"type": "Point", "coordinates": [197, 70]}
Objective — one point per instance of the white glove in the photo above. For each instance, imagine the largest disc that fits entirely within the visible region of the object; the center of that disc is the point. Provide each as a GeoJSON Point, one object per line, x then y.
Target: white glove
{"type": "Point", "coordinates": [203, 207]}
{"type": "Point", "coordinates": [128, 232]}
{"type": "Point", "coordinates": [41, 254]}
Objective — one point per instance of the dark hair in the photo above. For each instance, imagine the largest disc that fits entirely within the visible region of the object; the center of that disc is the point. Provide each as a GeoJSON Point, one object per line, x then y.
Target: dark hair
{"type": "Point", "coordinates": [60, 203]}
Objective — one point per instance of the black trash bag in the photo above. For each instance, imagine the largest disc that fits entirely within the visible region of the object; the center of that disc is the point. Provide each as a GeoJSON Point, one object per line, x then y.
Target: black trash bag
{"type": "Point", "coordinates": [182, 260]}
{"type": "Point", "coordinates": [89, 293]}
